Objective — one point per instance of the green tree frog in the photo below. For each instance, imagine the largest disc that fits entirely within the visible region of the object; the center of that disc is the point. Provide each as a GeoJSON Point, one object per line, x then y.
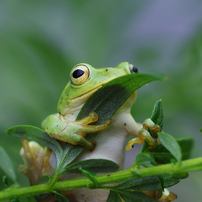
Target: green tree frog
{"type": "Point", "coordinates": [84, 81]}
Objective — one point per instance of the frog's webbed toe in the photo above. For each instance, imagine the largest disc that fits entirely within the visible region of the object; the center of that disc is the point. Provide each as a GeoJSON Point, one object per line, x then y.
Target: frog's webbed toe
{"type": "Point", "coordinates": [143, 134]}
{"type": "Point", "coordinates": [154, 129]}
{"type": "Point", "coordinates": [74, 132]}
{"type": "Point", "coordinates": [79, 138]}
{"type": "Point", "coordinates": [93, 117]}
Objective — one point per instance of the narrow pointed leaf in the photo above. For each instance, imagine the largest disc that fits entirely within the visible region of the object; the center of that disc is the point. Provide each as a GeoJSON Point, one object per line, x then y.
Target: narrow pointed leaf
{"type": "Point", "coordinates": [38, 135]}
{"type": "Point", "coordinates": [136, 196]}
{"type": "Point", "coordinates": [96, 165]}
{"type": "Point", "coordinates": [70, 153]}
{"type": "Point", "coordinates": [44, 179]}
{"type": "Point", "coordinates": [157, 118]}
{"type": "Point", "coordinates": [186, 145]}
{"type": "Point", "coordinates": [41, 196]}
{"type": "Point", "coordinates": [157, 114]}
{"type": "Point", "coordinates": [60, 197]}
{"type": "Point", "coordinates": [113, 197]}
{"type": "Point", "coordinates": [15, 199]}
{"type": "Point", "coordinates": [113, 94]}
{"type": "Point", "coordinates": [163, 155]}
{"type": "Point", "coordinates": [147, 183]}
{"type": "Point", "coordinates": [90, 175]}
{"type": "Point", "coordinates": [6, 165]}
{"type": "Point", "coordinates": [170, 143]}
{"type": "Point", "coordinates": [180, 175]}
{"type": "Point", "coordinates": [144, 159]}
{"type": "Point", "coordinates": [107, 100]}
{"type": "Point", "coordinates": [5, 181]}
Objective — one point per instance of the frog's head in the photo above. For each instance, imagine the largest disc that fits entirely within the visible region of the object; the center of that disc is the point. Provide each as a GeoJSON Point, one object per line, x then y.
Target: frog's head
{"type": "Point", "coordinates": [85, 80]}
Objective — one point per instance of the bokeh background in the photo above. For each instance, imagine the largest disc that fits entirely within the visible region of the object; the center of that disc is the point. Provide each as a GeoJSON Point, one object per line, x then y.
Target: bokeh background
{"type": "Point", "coordinates": [40, 41]}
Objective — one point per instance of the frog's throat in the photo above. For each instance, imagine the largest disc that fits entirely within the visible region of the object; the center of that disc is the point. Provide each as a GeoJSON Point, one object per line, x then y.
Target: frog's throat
{"type": "Point", "coordinates": [75, 104]}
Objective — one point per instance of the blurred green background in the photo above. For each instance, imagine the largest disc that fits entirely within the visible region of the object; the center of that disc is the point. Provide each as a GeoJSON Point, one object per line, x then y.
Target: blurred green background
{"type": "Point", "coordinates": [40, 41]}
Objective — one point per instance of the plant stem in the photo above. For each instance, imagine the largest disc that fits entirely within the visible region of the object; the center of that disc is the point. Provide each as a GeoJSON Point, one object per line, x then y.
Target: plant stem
{"type": "Point", "coordinates": [130, 173]}
{"type": "Point", "coordinates": [22, 191]}
{"type": "Point", "coordinates": [54, 179]}
{"type": "Point", "coordinates": [182, 167]}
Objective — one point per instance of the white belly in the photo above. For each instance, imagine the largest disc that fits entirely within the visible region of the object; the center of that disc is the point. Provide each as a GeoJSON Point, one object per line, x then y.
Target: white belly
{"type": "Point", "coordinates": [109, 145]}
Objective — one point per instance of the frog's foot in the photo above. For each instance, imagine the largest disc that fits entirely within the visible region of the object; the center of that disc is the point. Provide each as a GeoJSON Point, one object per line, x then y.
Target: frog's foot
{"type": "Point", "coordinates": [74, 132]}
{"type": "Point", "coordinates": [133, 141]}
{"type": "Point", "coordinates": [149, 124]}
{"type": "Point", "coordinates": [36, 159]}
{"type": "Point", "coordinates": [80, 136]}
{"type": "Point", "coordinates": [143, 134]}
{"type": "Point", "coordinates": [93, 117]}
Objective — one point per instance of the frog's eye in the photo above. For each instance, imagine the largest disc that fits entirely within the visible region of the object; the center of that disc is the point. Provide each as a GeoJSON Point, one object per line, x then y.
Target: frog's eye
{"type": "Point", "coordinates": [133, 69]}
{"type": "Point", "coordinates": [79, 74]}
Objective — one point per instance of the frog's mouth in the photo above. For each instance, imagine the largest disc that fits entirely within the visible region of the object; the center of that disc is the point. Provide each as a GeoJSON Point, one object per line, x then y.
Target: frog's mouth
{"type": "Point", "coordinates": [88, 93]}
{"type": "Point", "coordinates": [77, 102]}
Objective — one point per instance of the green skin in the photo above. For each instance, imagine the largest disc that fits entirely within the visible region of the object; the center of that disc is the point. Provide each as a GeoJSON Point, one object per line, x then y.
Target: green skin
{"type": "Point", "coordinates": [111, 138]}
{"type": "Point", "coordinates": [62, 126]}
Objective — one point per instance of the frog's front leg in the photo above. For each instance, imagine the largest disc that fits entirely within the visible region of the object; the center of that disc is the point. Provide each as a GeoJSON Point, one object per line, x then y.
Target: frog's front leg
{"type": "Point", "coordinates": [73, 132]}
{"type": "Point", "coordinates": [144, 135]}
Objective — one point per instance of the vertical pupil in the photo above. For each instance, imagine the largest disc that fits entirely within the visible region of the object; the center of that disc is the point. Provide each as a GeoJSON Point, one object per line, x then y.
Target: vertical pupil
{"type": "Point", "coordinates": [77, 73]}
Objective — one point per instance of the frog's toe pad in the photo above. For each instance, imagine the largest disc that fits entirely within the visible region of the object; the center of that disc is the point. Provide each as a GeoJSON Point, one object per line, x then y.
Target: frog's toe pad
{"type": "Point", "coordinates": [154, 129]}
{"type": "Point", "coordinates": [108, 122]}
{"type": "Point", "coordinates": [133, 141]}
{"type": "Point", "coordinates": [93, 116]}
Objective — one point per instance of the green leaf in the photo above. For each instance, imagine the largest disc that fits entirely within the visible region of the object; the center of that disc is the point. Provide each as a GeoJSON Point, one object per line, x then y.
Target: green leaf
{"type": "Point", "coordinates": [38, 135]}
{"type": "Point", "coordinates": [147, 183]}
{"type": "Point", "coordinates": [136, 196]}
{"type": "Point", "coordinates": [60, 197]}
{"type": "Point", "coordinates": [7, 165]}
{"type": "Point", "coordinates": [144, 159]}
{"type": "Point", "coordinates": [163, 155]}
{"type": "Point", "coordinates": [5, 181]}
{"type": "Point", "coordinates": [90, 175]}
{"type": "Point", "coordinates": [107, 100]}
{"type": "Point", "coordinates": [96, 165]}
{"type": "Point", "coordinates": [27, 199]}
{"type": "Point", "coordinates": [15, 199]}
{"type": "Point", "coordinates": [113, 197]}
{"type": "Point", "coordinates": [200, 130]}
{"type": "Point", "coordinates": [180, 175]}
{"type": "Point", "coordinates": [161, 180]}
{"type": "Point", "coordinates": [70, 153]}
{"type": "Point", "coordinates": [157, 114]}
{"type": "Point", "coordinates": [157, 118]}
{"type": "Point", "coordinates": [41, 196]}
{"type": "Point", "coordinates": [44, 179]}
{"type": "Point", "coordinates": [170, 143]}
{"type": "Point", "coordinates": [186, 145]}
